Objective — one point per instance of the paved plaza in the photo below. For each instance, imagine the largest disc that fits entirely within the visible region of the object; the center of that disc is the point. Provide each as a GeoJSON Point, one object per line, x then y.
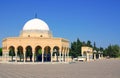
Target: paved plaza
{"type": "Point", "coordinates": [108, 68]}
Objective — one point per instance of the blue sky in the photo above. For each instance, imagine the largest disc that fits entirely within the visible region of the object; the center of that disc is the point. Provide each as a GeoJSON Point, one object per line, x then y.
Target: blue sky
{"type": "Point", "coordinates": [94, 20]}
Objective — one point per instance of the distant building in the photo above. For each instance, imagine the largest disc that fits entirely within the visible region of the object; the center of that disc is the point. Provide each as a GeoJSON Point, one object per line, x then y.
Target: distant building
{"type": "Point", "coordinates": [35, 44]}
{"type": "Point", "coordinates": [87, 52]}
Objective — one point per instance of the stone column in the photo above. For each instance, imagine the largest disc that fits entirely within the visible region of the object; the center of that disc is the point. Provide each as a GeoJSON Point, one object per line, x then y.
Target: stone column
{"type": "Point", "coordinates": [24, 55]}
{"type": "Point", "coordinates": [7, 54]}
{"type": "Point", "coordinates": [60, 56]}
{"type": "Point", "coordinates": [102, 56]}
{"type": "Point", "coordinates": [51, 56]}
{"type": "Point", "coordinates": [88, 57]}
{"type": "Point", "coordinates": [65, 57]}
{"type": "Point", "coordinates": [68, 55]}
{"type": "Point", "coordinates": [33, 58]}
{"type": "Point", "coordinates": [16, 55]}
{"type": "Point", "coordinates": [94, 56]}
{"type": "Point", "coordinates": [4, 57]}
{"type": "Point", "coordinates": [99, 56]}
{"type": "Point", "coordinates": [42, 55]}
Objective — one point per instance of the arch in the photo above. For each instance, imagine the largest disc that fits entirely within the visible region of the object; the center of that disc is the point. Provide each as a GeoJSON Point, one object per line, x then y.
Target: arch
{"type": "Point", "coordinates": [56, 53]}
{"type": "Point", "coordinates": [20, 53]}
{"type": "Point", "coordinates": [29, 53]}
{"type": "Point", "coordinates": [12, 52]}
{"type": "Point", "coordinates": [47, 54]}
{"type": "Point", "coordinates": [38, 53]}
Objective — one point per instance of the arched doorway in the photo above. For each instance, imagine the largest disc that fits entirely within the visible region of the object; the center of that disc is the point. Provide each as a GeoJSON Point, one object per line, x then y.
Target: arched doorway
{"type": "Point", "coordinates": [12, 52]}
{"type": "Point", "coordinates": [56, 53]}
{"type": "Point", "coordinates": [20, 53]}
{"type": "Point", "coordinates": [38, 54]}
{"type": "Point", "coordinates": [28, 53]}
{"type": "Point", "coordinates": [47, 54]}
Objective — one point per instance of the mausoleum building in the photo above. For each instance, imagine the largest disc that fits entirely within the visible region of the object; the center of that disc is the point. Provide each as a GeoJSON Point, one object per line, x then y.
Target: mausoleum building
{"type": "Point", "coordinates": [35, 44]}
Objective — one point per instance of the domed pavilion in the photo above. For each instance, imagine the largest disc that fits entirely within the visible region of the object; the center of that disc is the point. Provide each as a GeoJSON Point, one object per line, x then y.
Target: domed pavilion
{"type": "Point", "coordinates": [35, 44]}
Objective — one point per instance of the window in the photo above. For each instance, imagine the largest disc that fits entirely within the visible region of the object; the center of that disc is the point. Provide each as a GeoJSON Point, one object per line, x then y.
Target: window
{"type": "Point", "coordinates": [41, 36]}
{"type": "Point", "coordinates": [28, 35]}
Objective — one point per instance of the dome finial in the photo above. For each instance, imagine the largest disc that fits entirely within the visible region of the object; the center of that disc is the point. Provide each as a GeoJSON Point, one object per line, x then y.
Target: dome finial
{"type": "Point", "coordinates": [35, 15]}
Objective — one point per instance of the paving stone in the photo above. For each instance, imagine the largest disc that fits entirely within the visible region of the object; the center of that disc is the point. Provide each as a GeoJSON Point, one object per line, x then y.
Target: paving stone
{"type": "Point", "coordinates": [95, 69]}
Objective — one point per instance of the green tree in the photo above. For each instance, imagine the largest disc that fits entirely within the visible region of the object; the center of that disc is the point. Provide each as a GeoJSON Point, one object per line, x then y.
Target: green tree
{"type": "Point", "coordinates": [11, 53]}
{"type": "Point", "coordinates": [94, 46]}
{"type": "Point", "coordinates": [73, 52]}
{"type": "Point", "coordinates": [75, 49]}
{"type": "Point", "coordinates": [89, 43]}
{"type": "Point", "coordinates": [28, 52]}
{"type": "Point", "coordinates": [20, 54]}
{"type": "Point", "coordinates": [39, 51]}
{"type": "Point", "coordinates": [101, 49]}
{"type": "Point", "coordinates": [0, 51]}
{"type": "Point", "coordinates": [83, 43]}
{"type": "Point", "coordinates": [105, 52]}
{"type": "Point", "coordinates": [38, 54]}
{"type": "Point", "coordinates": [112, 51]}
{"type": "Point", "coordinates": [116, 51]}
{"type": "Point", "coordinates": [79, 45]}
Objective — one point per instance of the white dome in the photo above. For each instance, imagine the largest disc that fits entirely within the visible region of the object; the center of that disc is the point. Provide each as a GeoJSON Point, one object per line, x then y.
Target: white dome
{"type": "Point", "coordinates": [36, 24]}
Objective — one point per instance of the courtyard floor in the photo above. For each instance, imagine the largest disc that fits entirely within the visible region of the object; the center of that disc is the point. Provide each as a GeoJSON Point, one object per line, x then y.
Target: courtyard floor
{"type": "Point", "coordinates": [107, 68]}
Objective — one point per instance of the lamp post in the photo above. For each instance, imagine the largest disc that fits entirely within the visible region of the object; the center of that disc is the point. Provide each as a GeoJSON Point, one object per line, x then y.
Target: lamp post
{"type": "Point", "coordinates": [94, 54]}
